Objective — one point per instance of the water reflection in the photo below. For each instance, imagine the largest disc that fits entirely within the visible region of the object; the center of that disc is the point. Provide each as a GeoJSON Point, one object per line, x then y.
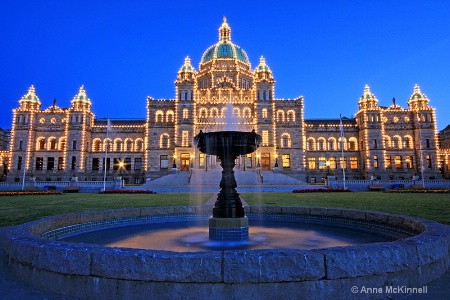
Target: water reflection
{"type": "Point", "coordinates": [187, 236]}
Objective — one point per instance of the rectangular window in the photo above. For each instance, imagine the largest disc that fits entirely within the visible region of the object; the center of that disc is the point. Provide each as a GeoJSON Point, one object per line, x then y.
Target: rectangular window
{"type": "Point", "coordinates": [185, 138]}
{"type": "Point", "coordinates": [333, 163]}
{"type": "Point", "coordinates": [312, 163]}
{"type": "Point", "coordinates": [375, 161]}
{"type": "Point", "coordinates": [108, 164]}
{"type": "Point", "coordinates": [388, 162]}
{"type": "Point", "coordinates": [39, 163]}
{"type": "Point", "coordinates": [427, 143]}
{"type": "Point", "coordinates": [127, 163]}
{"type": "Point", "coordinates": [265, 138]}
{"type": "Point", "coordinates": [74, 145]}
{"type": "Point", "coordinates": [50, 163]}
{"type": "Point", "coordinates": [428, 157]}
{"type": "Point", "coordinates": [19, 163]}
{"type": "Point", "coordinates": [116, 163]}
{"type": "Point", "coordinates": [95, 164]}
{"type": "Point", "coordinates": [286, 160]}
{"type": "Point", "coordinates": [322, 163]}
{"type": "Point", "coordinates": [343, 163]}
{"type": "Point", "coordinates": [164, 162]}
{"type": "Point", "coordinates": [398, 162]}
{"type": "Point", "coordinates": [20, 145]}
{"type": "Point", "coordinates": [375, 146]}
{"type": "Point", "coordinates": [201, 160]}
{"type": "Point", "coordinates": [138, 163]}
{"type": "Point", "coordinates": [409, 162]}
{"type": "Point", "coordinates": [74, 162]}
{"type": "Point", "coordinates": [354, 163]}
{"type": "Point", "coordinates": [60, 163]}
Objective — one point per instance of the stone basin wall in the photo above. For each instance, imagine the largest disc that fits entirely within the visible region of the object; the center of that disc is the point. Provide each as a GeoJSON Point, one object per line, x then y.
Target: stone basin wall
{"type": "Point", "coordinates": [89, 271]}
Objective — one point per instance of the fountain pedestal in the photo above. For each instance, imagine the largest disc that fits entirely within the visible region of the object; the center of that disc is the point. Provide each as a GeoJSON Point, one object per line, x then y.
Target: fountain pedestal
{"type": "Point", "coordinates": [228, 222]}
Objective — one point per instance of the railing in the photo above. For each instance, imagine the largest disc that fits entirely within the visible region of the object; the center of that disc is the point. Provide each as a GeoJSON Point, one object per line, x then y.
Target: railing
{"type": "Point", "coordinates": [261, 177]}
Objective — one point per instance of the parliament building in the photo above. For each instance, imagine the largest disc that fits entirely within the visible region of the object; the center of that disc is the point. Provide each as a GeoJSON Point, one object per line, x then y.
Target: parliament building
{"type": "Point", "coordinates": [385, 142]}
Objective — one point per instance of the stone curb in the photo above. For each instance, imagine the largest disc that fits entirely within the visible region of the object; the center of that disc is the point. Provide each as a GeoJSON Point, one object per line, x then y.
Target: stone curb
{"type": "Point", "coordinates": [58, 266]}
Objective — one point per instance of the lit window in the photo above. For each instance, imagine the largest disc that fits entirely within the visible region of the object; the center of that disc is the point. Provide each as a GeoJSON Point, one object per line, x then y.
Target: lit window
{"type": "Point", "coordinates": [265, 138]}
{"type": "Point", "coordinates": [185, 138]}
{"type": "Point", "coordinates": [264, 113]}
{"type": "Point", "coordinates": [322, 163]}
{"type": "Point", "coordinates": [398, 162]}
{"type": "Point", "coordinates": [375, 161]}
{"type": "Point", "coordinates": [285, 140]}
{"type": "Point", "coordinates": [164, 141]}
{"type": "Point", "coordinates": [185, 113]}
{"type": "Point", "coordinates": [409, 162]}
{"type": "Point", "coordinates": [286, 160]}
{"type": "Point", "coordinates": [354, 163]}
{"type": "Point", "coordinates": [343, 162]}
{"type": "Point", "coordinates": [311, 163]}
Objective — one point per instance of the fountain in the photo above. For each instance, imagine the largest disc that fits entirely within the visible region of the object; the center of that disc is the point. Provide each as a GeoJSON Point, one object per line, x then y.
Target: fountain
{"type": "Point", "coordinates": [228, 221]}
{"type": "Point", "coordinates": [418, 253]}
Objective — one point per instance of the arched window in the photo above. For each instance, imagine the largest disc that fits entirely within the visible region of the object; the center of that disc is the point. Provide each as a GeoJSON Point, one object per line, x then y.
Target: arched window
{"type": "Point", "coordinates": [321, 144]}
{"type": "Point", "coordinates": [342, 141]}
{"type": "Point", "coordinates": [214, 112]}
{"type": "Point", "coordinates": [331, 144]}
{"type": "Point", "coordinates": [159, 116]}
{"type": "Point", "coordinates": [52, 143]}
{"type": "Point", "coordinates": [236, 112]}
{"type": "Point", "coordinates": [118, 145]}
{"type": "Point", "coordinates": [139, 145]}
{"type": "Point", "coordinates": [169, 116]}
{"type": "Point", "coordinates": [96, 145]}
{"type": "Point", "coordinates": [407, 144]}
{"type": "Point", "coordinates": [280, 116]}
{"type": "Point", "coordinates": [285, 140]}
{"type": "Point", "coordinates": [164, 141]}
{"type": "Point", "coordinates": [397, 142]}
{"type": "Point", "coordinates": [41, 143]}
{"type": "Point", "coordinates": [107, 144]}
{"type": "Point", "coordinates": [203, 113]}
{"type": "Point", "coordinates": [128, 145]}
{"type": "Point", "coordinates": [247, 112]}
{"type": "Point", "coordinates": [291, 115]}
{"type": "Point", "coordinates": [353, 144]}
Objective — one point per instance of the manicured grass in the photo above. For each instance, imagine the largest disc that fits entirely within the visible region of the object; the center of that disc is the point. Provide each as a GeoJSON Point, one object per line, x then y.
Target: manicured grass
{"type": "Point", "coordinates": [20, 209]}
{"type": "Point", "coordinates": [428, 206]}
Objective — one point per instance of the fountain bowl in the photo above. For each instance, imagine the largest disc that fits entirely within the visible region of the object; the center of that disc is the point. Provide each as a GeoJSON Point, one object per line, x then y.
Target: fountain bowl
{"type": "Point", "coordinates": [227, 143]}
{"type": "Point", "coordinates": [90, 271]}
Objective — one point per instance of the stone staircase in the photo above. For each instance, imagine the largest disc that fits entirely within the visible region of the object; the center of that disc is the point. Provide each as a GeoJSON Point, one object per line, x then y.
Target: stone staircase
{"type": "Point", "coordinates": [201, 179]}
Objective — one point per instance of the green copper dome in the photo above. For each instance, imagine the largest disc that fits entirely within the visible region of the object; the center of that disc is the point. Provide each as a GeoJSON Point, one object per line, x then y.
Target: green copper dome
{"type": "Point", "coordinates": [224, 48]}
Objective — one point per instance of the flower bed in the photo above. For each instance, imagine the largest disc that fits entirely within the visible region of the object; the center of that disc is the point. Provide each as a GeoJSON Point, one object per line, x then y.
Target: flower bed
{"type": "Point", "coordinates": [431, 191]}
{"type": "Point", "coordinates": [127, 192]}
{"type": "Point", "coordinates": [22, 193]}
{"type": "Point", "coordinates": [329, 190]}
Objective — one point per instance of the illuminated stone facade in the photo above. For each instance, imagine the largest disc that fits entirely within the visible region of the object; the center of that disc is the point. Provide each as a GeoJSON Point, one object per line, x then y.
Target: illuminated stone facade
{"type": "Point", "coordinates": [385, 142]}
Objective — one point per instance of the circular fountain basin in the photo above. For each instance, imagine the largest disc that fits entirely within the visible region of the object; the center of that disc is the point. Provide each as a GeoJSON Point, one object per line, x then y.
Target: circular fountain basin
{"type": "Point", "coordinates": [90, 271]}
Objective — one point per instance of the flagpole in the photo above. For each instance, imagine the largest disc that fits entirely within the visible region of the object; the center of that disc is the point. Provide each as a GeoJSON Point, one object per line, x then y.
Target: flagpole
{"type": "Point", "coordinates": [106, 153]}
{"type": "Point", "coordinates": [342, 147]}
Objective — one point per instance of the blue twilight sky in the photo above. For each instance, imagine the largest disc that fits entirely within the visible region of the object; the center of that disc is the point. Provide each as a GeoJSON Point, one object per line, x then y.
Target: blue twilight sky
{"type": "Point", "coordinates": [124, 51]}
